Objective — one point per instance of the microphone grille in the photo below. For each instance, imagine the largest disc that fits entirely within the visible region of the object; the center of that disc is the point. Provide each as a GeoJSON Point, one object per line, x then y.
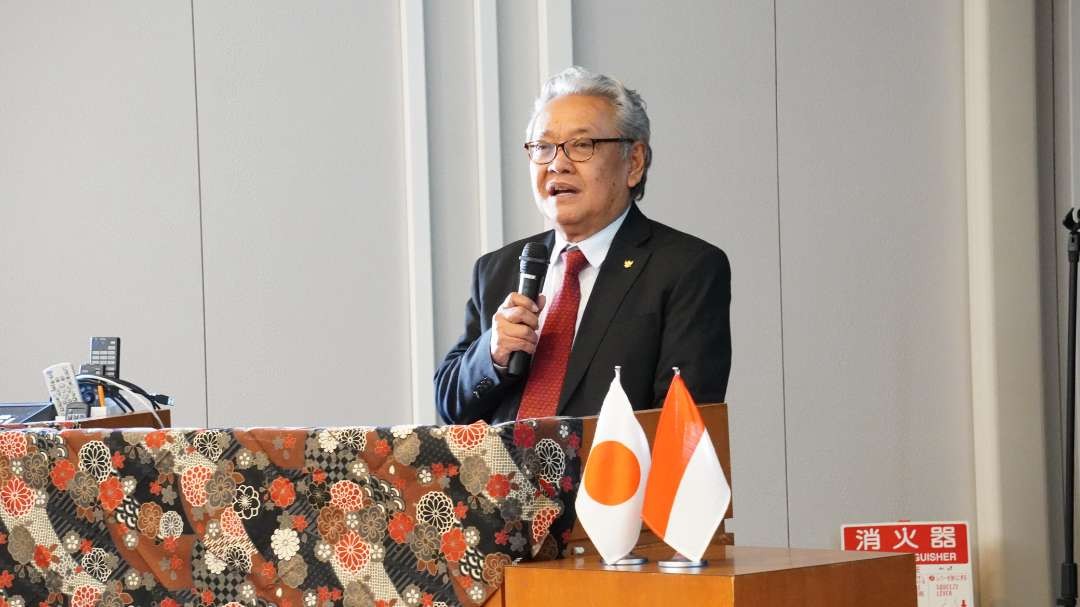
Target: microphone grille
{"type": "Point", "coordinates": [535, 250]}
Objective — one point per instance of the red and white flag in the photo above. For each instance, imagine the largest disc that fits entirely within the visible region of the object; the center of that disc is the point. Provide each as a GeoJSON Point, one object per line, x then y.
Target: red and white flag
{"type": "Point", "coordinates": [613, 484]}
{"type": "Point", "coordinates": [687, 493]}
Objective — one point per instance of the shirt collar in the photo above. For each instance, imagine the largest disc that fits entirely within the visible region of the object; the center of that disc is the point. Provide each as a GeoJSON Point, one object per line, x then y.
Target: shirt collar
{"type": "Point", "coordinates": [595, 248]}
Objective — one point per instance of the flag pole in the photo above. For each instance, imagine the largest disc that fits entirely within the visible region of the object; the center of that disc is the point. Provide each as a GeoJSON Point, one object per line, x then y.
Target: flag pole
{"type": "Point", "coordinates": [679, 561]}
{"type": "Point", "coordinates": [630, 559]}
{"type": "Point", "coordinates": [1068, 566]}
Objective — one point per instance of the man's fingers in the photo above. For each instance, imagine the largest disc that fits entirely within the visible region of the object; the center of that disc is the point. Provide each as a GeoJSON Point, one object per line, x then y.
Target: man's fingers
{"type": "Point", "coordinates": [520, 315]}
{"type": "Point", "coordinates": [515, 331]}
{"type": "Point", "coordinates": [518, 309]}
{"type": "Point", "coordinates": [514, 344]}
{"type": "Point", "coordinates": [517, 299]}
{"type": "Point", "coordinates": [514, 327]}
{"type": "Point", "coordinates": [506, 345]}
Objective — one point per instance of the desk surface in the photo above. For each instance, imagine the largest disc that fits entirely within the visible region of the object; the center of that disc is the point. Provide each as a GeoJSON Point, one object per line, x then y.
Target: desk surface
{"type": "Point", "coordinates": [735, 576]}
{"type": "Point", "coordinates": [723, 561]}
{"type": "Point", "coordinates": [138, 419]}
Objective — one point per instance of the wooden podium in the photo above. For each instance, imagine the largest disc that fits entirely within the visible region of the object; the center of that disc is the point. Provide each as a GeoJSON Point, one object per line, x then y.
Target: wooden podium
{"type": "Point", "coordinates": [138, 419]}
{"type": "Point", "coordinates": [735, 575]}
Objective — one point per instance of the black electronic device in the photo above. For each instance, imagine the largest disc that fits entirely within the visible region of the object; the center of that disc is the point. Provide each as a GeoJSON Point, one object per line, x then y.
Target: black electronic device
{"type": "Point", "coordinates": [88, 369]}
{"type": "Point", "coordinates": [77, 411]}
{"type": "Point", "coordinates": [532, 270]}
{"type": "Point", "coordinates": [105, 351]}
{"type": "Point", "coordinates": [21, 413]}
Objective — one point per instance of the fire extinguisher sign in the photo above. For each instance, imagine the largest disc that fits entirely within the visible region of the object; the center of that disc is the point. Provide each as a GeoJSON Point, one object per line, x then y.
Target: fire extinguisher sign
{"type": "Point", "coordinates": [942, 556]}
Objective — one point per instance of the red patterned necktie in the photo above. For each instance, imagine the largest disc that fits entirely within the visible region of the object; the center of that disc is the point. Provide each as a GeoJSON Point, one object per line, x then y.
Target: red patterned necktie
{"type": "Point", "coordinates": [544, 385]}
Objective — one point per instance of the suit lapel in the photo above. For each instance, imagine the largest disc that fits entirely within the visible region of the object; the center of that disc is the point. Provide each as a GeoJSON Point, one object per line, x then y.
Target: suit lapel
{"type": "Point", "coordinates": [549, 240]}
{"type": "Point", "coordinates": [612, 283]}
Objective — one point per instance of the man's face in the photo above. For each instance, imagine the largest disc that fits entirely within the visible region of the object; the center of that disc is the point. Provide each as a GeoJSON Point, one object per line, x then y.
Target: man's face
{"type": "Point", "coordinates": [581, 198]}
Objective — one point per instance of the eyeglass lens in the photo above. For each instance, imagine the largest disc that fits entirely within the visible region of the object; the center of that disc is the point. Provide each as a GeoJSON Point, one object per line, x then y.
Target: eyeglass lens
{"type": "Point", "coordinates": [577, 150]}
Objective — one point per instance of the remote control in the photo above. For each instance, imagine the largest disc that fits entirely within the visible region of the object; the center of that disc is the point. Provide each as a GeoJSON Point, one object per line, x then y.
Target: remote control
{"type": "Point", "coordinates": [105, 351]}
{"type": "Point", "coordinates": [62, 386]}
{"type": "Point", "coordinates": [88, 369]}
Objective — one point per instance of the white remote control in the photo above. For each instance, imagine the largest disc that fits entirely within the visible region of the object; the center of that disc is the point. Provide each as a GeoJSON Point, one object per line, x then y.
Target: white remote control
{"type": "Point", "coordinates": [63, 388]}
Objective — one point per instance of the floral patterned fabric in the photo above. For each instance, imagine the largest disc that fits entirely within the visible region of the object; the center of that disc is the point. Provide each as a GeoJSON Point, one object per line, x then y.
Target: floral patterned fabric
{"type": "Point", "coordinates": [360, 516]}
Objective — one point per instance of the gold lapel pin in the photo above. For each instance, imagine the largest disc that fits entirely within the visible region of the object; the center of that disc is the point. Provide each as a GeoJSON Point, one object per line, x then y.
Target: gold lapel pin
{"type": "Point", "coordinates": [628, 263]}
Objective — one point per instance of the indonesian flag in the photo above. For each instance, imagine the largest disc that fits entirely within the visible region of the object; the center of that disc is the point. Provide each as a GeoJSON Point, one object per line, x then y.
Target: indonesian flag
{"type": "Point", "coordinates": [613, 484]}
{"type": "Point", "coordinates": [687, 493]}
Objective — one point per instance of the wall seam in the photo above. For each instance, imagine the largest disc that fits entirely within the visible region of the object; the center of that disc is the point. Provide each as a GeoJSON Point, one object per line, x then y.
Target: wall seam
{"type": "Point", "coordinates": [202, 237]}
{"type": "Point", "coordinates": [780, 272]}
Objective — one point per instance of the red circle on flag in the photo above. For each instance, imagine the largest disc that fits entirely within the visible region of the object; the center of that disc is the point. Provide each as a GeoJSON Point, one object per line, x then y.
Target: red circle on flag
{"type": "Point", "coordinates": [612, 474]}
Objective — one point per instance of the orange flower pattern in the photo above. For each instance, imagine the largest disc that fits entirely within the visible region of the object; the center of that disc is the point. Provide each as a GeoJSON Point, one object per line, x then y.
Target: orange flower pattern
{"type": "Point", "coordinates": [352, 552]}
{"type": "Point", "coordinates": [272, 515]}
{"type": "Point", "coordinates": [62, 474]}
{"type": "Point", "coordinates": [453, 545]}
{"type": "Point", "coordinates": [110, 493]}
{"type": "Point", "coordinates": [282, 492]}
{"type": "Point", "coordinates": [16, 497]}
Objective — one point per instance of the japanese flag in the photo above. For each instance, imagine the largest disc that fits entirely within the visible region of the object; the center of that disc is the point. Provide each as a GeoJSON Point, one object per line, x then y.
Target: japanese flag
{"type": "Point", "coordinates": [687, 492]}
{"type": "Point", "coordinates": [613, 484]}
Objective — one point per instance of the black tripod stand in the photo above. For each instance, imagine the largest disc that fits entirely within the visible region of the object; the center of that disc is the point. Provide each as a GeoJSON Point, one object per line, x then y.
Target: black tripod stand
{"type": "Point", "coordinates": [1068, 567]}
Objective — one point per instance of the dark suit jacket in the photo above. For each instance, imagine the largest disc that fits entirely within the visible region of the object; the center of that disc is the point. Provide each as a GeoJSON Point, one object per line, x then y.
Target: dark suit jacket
{"type": "Point", "coordinates": [669, 307]}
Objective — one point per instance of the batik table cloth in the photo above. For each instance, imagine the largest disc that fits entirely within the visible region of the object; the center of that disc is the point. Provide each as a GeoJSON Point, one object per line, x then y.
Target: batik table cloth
{"type": "Point", "coordinates": [358, 516]}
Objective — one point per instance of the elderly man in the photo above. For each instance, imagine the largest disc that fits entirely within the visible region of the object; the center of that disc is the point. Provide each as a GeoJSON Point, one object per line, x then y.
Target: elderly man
{"type": "Point", "coordinates": [621, 289]}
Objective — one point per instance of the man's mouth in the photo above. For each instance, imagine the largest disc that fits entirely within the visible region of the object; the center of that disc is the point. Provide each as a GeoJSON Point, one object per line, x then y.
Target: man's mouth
{"type": "Point", "coordinates": [559, 190]}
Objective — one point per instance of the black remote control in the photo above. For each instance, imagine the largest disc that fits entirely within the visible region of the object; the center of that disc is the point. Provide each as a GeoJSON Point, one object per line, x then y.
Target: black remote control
{"type": "Point", "coordinates": [105, 351]}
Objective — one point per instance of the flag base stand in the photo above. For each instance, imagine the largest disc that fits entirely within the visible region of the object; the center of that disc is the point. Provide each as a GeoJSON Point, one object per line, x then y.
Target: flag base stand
{"type": "Point", "coordinates": [681, 562]}
{"type": "Point", "coordinates": [628, 560]}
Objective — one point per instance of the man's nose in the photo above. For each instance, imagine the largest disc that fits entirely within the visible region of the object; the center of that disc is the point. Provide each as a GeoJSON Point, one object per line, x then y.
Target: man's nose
{"type": "Point", "coordinates": [560, 163]}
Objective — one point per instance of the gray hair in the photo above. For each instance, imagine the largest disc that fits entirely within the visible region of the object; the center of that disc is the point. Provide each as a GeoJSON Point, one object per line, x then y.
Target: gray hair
{"type": "Point", "coordinates": [631, 120]}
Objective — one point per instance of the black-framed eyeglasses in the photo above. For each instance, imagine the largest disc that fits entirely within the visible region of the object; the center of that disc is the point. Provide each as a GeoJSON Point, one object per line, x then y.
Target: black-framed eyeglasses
{"type": "Point", "coordinates": [578, 149]}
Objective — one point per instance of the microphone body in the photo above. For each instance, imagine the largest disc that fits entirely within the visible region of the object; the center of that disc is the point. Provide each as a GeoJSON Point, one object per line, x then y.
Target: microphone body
{"type": "Point", "coordinates": [534, 264]}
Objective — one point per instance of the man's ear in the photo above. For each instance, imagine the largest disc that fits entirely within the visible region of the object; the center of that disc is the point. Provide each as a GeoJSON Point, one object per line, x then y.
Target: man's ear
{"type": "Point", "coordinates": [637, 164]}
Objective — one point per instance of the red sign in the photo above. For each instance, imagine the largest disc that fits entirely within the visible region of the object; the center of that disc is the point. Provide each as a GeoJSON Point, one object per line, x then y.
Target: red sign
{"type": "Point", "coordinates": [932, 543]}
{"type": "Point", "coordinates": [943, 576]}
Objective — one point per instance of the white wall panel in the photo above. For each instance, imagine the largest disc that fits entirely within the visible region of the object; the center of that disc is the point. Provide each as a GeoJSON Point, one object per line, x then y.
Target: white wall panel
{"type": "Point", "coordinates": [706, 72]}
{"type": "Point", "coordinates": [99, 215]}
{"type": "Point", "coordinates": [305, 225]}
{"type": "Point", "coordinates": [518, 87]}
{"type": "Point", "coordinates": [873, 238]}
{"type": "Point", "coordinates": [452, 141]}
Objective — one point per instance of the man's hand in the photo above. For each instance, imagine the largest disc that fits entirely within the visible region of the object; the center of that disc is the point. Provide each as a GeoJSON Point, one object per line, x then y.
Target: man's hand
{"type": "Point", "coordinates": [514, 327]}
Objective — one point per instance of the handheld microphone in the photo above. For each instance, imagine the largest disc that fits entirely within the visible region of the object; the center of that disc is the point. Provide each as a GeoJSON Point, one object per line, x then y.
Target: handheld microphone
{"type": "Point", "coordinates": [534, 264]}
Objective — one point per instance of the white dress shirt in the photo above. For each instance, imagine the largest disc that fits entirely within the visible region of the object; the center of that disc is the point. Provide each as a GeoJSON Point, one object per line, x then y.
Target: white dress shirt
{"type": "Point", "coordinates": [595, 248]}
